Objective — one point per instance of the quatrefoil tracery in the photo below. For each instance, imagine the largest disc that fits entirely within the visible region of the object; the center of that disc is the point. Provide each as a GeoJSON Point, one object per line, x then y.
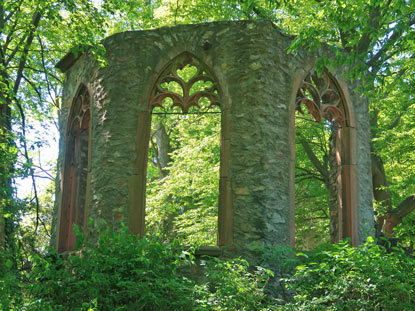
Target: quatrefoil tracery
{"type": "Point", "coordinates": [322, 100]}
{"type": "Point", "coordinates": [187, 99]}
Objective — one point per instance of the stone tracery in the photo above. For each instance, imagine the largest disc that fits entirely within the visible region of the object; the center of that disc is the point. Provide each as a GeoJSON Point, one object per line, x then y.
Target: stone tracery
{"type": "Point", "coordinates": [80, 111]}
{"type": "Point", "coordinates": [184, 97]}
{"type": "Point", "coordinates": [322, 100]}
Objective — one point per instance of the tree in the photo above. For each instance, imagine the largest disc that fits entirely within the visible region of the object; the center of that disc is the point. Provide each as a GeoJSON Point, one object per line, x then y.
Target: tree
{"type": "Point", "coordinates": [32, 38]}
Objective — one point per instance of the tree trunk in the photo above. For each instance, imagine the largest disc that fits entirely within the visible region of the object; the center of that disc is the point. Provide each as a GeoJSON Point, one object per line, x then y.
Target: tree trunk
{"type": "Point", "coordinates": [163, 159]}
{"type": "Point", "coordinates": [6, 164]}
{"type": "Point", "coordinates": [393, 218]}
{"type": "Point", "coordinates": [163, 149]}
{"type": "Point", "coordinates": [5, 168]}
{"type": "Point", "coordinates": [382, 196]}
{"type": "Point", "coordinates": [381, 193]}
{"type": "Point", "coordinates": [9, 88]}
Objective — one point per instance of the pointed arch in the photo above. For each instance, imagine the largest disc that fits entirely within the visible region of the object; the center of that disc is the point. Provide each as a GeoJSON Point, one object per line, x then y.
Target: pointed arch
{"type": "Point", "coordinates": [76, 167]}
{"type": "Point", "coordinates": [324, 97]}
{"type": "Point", "coordinates": [184, 98]}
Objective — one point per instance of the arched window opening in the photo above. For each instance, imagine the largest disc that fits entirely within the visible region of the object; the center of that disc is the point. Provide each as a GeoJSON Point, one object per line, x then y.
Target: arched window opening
{"type": "Point", "coordinates": [320, 201]}
{"type": "Point", "coordinates": [75, 171]}
{"type": "Point", "coordinates": [183, 168]}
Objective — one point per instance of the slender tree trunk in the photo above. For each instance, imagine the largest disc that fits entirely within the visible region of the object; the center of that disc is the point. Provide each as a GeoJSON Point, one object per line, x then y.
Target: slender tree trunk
{"type": "Point", "coordinates": [6, 158]}
{"type": "Point", "coordinates": [9, 87]}
{"type": "Point", "coordinates": [163, 148]}
{"type": "Point", "coordinates": [380, 185]}
{"type": "Point", "coordinates": [5, 167]}
{"type": "Point", "coordinates": [163, 159]}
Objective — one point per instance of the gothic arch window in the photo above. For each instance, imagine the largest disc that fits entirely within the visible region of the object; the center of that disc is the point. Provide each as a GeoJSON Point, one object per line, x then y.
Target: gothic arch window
{"type": "Point", "coordinates": [321, 97]}
{"type": "Point", "coordinates": [75, 170]}
{"type": "Point", "coordinates": [187, 89]}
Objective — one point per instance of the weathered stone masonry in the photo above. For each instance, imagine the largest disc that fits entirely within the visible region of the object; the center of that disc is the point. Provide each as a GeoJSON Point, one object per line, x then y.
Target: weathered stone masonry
{"type": "Point", "coordinates": [258, 82]}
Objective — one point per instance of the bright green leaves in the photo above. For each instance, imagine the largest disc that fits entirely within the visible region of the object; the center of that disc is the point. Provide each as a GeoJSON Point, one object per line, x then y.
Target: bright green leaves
{"type": "Point", "coordinates": [341, 277]}
{"type": "Point", "coordinates": [125, 272]}
{"type": "Point", "coordinates": [172, 86]}
{"type": "Point", "coordinates": [120, 272]}
{"type": "Point", "coordinates": [312, 196]}
{"type": "Point", "coordinates": [367, 31]}
{"type": "Point", "coordinates": [133, 15]}
{"type": "Point", "coordinates": [185, 202]}
{"type": "Point", "coordinates": [233, 285]}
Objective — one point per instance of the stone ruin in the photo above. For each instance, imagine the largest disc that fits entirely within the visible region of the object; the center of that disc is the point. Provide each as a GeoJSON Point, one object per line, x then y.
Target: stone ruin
{"type": "Point", "coordinates": [106, 116]}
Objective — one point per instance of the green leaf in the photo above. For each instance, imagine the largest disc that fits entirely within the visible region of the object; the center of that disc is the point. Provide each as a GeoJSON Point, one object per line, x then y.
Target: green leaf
{"type": "Point", "coordinates": [9, 263]}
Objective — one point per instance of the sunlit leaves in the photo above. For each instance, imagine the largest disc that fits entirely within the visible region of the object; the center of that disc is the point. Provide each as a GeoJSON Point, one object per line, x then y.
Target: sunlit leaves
{"type": "Point", "coordinates": [311, 193]}
{"type": "Point", "coordinates": [187, 198]}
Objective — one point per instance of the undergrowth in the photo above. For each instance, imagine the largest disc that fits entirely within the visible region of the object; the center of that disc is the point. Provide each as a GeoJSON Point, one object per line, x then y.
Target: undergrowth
{"type": "Point", "coordinates": [124, 272]}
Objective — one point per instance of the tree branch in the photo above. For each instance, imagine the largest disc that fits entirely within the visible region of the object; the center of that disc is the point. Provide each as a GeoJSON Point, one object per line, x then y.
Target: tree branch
{"type": "Point", "coordinates": [314, 160]}
{"type": "Point", "coordinates": [12, 12]}
{"type": "Point", "coordinates": [35, 22]}
{"type": "Point", "coordinates": [49, 176]}
{"type": "Point", "coordinates": [26, 154]}
{"type": "Point", "coordinates": [393, 218]}
{"type": "Point", "coordinates": [41, 72]}
{"type": "Point", "coordinates": [373, 24]}
{"type": "Point", "coordinates": [39, 94]}
{"type": "Point", "coordinates": [399, 117]}
{"type": "Point", "coordinates": [45, 71]}
{"type": "Point", "coordinates": [389, 42]}
{"type": "Point", "coordinates": [307, 173]}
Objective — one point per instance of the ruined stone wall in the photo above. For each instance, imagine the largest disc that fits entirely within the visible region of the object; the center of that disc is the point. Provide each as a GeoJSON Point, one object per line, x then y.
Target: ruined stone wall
{"type": "Point", "coordinates": [258, 80]}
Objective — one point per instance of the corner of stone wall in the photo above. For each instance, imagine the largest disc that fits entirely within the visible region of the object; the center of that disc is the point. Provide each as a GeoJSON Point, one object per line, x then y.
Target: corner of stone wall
{"type": "Point", "coordinates": [364, 165]}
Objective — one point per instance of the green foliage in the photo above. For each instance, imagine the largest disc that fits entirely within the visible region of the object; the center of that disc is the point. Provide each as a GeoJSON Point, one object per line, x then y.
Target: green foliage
{"type": "Point", "coordinates": [124, 272]}
{"type": "Point", "coordinates": [10, 284]}
{"type": "Point", "coordinates": [232, 286]}
{"type": "Point", "coordinates": [311, 193]}
{"type": "Point", "coordinates": [188, 195]}
{"type": "Point", "coordinates": [121, 272]}
{"type": "Point", "coordinates": [341, 277]}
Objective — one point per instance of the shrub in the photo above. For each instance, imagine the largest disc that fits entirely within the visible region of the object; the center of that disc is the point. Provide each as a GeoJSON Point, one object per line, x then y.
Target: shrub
{"type": "Point", "coordinates": [123, 272]}
{"type": "Point", "coordinates": [10, 287]}
{"type": "Point", "coordinates": [341, 277]}
{"type": "Point", "coordinates": [231, 286]}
